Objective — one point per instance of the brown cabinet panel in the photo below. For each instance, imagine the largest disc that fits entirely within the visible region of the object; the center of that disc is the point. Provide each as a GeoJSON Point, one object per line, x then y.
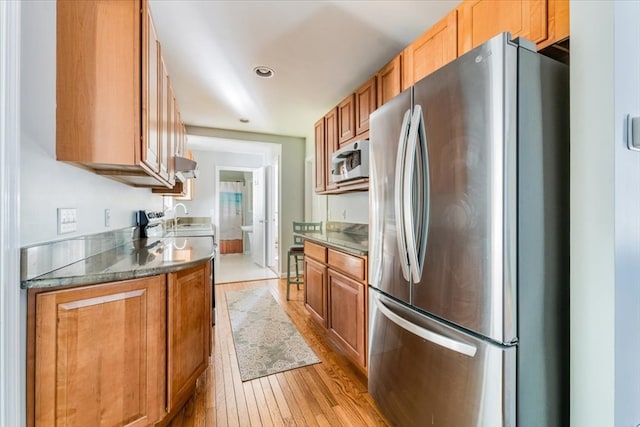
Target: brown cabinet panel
{"type": "Point", "coordinates": [320, 157]}
{"type": "Point", "coordinates": [436, 47]}
{"type": "Point", "coordinates": [346, 119]}
{"type": "Point", "coordinates": [389, 80]}
{"type": "Point", "coordinates": [350, 265]}
{"type": "Point", "coordinates": [315, 290]}
{"type": "Point", "coordinates": [347, 315]}
{"type": "Point", "coordinates": [331, 145]}
{"type": "Point", "coordinates": [100, 354]}
{"type": "Point", "coordinates": [189, 318]}
{"type": "Point", "coordinates": [366, 103]}
{"type": "Point", "coordinates": [317, 252]}
{"type": "Point", "coordinates": [98, 76]}
{"type": "Point", "coordinates": [480, 20]}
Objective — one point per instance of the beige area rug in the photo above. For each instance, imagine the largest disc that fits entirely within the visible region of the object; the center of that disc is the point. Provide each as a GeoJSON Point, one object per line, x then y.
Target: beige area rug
{"type": "Point", "coordinates": [265, 339]}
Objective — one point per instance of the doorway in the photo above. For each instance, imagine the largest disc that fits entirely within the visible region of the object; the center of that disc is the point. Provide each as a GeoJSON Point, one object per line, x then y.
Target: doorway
{"type": "Point", "coordinates": [246, 223]}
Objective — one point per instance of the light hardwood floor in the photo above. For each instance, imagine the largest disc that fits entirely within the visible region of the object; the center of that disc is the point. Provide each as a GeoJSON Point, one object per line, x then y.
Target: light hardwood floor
{"type": "Point", "coordinates": [331, 393]}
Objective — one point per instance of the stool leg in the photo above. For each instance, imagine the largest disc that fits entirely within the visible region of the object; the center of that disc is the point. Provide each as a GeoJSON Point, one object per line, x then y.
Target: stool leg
{"type": "Point", "coordinates": [288, 273]}
{"type": "Point", "coordinates": [297, 272]}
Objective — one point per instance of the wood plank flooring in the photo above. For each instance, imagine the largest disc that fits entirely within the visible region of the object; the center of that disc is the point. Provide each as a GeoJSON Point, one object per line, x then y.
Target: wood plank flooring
{"type": "Point", "coordinates": [331, 393]}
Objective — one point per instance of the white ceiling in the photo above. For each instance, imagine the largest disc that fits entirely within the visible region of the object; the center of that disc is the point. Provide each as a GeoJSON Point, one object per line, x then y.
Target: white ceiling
{"type": "Point", "coordinates": [320, 50]}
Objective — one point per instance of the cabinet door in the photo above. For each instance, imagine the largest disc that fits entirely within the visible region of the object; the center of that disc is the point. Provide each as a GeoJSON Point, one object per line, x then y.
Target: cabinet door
{"type": "Point", "coordinates": [165, 120]}
{"type": "Point", "coordinates": [320, 158]}
{"type": "Point", "coordinates": [331, 145]}
{"type": "Point", "coordinates": [347, 315]}
{"type": "Point", "coordinates": [346, 119]}
{"type": "Point", "coordinates": [366, 104]}
{"type": "Point", "coordinates": [100, 354]}
{"type": "Point", "coordinates": [98, 78]}
{"type": "Point", "coordinates": [189, 321]}
{"type": "Point", "coordinates": [315, 290]}
{"type": "Point", "coordinates": [389, 80]}
{"type": "Point", "coordinates": [435, 48]}
{"type": "Point", "coordinates": [480, 20]}
{"type": "Point", "coordinates": [152, 89]}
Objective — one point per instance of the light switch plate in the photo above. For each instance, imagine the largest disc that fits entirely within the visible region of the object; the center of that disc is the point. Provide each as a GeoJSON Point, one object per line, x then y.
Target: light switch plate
{"type": "Point", "coordinates": [67, 220]}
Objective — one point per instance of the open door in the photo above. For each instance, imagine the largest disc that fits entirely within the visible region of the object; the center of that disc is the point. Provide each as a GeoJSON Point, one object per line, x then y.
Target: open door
{"type": "Point", "coordinates": [259, 216]}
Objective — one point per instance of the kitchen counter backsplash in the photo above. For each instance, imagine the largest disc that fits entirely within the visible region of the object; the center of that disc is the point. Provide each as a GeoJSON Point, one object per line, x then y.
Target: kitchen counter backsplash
{"type": "Point", "coordinates": [348, 227]}
{"type": "Point", "coordinates": [112, 256]}
{"type": "Point", "coordinates": [43, 258]}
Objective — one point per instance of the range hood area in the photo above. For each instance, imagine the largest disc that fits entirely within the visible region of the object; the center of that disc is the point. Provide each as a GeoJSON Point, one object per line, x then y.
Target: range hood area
{"type": "Point", "coordinates": [185, 168]}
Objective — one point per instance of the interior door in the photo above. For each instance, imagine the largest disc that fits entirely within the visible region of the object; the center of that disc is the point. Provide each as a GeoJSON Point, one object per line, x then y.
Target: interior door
{"type": "Point", "coordinates": [259, 217]}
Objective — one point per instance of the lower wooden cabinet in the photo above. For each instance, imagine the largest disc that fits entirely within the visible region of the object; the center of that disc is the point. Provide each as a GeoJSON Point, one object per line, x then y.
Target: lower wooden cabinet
{"type": "Point", "coordinates": [189, 321]}
{"type": "Point", "coordinates": [117, 354]}
{"type": "Point", "coordinates": [100, 354]}
{"type": "Point", "coordinates": [336, 298]}
{"type": "Point", "coordinates": [347, 314]}
{"type": "Point", "coordinates": [315, 290]}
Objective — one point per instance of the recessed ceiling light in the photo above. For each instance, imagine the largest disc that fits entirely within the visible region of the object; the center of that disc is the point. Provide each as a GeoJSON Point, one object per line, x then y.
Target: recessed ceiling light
{"type": "Point", "coordinates": [243, 120]}
{"type": "Point", "coordinates": [263, 72]}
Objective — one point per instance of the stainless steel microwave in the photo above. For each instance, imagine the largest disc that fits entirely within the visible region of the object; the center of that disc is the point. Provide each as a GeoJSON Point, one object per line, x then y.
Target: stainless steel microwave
{"type": "Point", "coordinates": [350, 162]}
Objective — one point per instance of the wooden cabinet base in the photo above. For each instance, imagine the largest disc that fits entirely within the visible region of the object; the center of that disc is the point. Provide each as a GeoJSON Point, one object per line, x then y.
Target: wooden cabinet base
{"type": "Point", "coordinates": [121, 353]}
{"type": "Point", "coordinates": [98, 355]}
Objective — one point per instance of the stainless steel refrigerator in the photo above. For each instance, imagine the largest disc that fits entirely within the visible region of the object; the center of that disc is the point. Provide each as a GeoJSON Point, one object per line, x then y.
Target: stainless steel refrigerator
{"type": "Point", "coordinates": [468, 256]}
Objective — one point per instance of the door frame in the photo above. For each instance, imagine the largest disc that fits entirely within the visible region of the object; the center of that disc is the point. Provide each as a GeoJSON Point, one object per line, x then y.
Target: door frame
{"type": "Point", "coordinates": [12, 306]}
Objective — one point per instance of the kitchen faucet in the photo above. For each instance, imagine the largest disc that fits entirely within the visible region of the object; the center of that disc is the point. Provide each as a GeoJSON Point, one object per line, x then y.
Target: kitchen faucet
{"type": "Point", "coordinates": [175, 216]}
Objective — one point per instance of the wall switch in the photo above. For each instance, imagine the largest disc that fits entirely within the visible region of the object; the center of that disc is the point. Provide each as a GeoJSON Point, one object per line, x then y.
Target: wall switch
{"type": "Point", "coordinates": [344, 214]}
{"type": "Point", "coordinates": [107, 217]}
{"type": "Point", "coordinates": [67, 220]}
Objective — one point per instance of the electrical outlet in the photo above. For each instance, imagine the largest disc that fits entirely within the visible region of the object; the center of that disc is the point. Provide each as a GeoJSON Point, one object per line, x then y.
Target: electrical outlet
{"type": "Point", "coordinates": [107, 217]}
{"type": "Point", "coordinates": [67, 220]}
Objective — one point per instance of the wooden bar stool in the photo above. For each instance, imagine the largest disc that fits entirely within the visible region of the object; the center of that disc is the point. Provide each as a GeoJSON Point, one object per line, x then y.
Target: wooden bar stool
{"type": "Point", "coordinates": [297, 251]}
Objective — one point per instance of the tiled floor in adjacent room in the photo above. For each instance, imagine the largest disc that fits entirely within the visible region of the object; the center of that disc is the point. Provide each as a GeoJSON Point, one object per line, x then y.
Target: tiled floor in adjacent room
{"type": "Point", "coordinates": [231, 268]}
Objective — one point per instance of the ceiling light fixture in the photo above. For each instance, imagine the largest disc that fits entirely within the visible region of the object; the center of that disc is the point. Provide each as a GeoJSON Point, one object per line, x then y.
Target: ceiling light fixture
{"type": "Point", "coordinates": [263, 72]}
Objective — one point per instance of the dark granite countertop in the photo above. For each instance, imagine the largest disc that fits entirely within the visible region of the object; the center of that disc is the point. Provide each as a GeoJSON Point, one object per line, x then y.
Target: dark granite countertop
{"type": "Point", "coordinates": [357, 244]}
{"type": "Point", "coordinates": [133, 259]}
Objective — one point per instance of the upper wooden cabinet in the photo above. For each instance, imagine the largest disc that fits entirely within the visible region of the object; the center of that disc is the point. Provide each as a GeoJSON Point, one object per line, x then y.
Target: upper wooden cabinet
{"type": "Point", "coordinates": [331, 145]}
{"type": "Point", "coordinates": [541, 21]}
{"type": "Point", "coordinates": [112, 92]}
{"type": "Point", "coordinates": [435, 48]}
{"type": "Point", "coordinates": [346, 119]}
{"type": "Point", "coordinates": [365, 104]}
{"type": "Point", "coordinates": [320, 158]}
{"type": "Point", "coordinates": [389, 80]}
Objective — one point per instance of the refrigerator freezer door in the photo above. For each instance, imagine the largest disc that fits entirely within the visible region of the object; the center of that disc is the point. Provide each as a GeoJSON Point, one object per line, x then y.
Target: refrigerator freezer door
{"type": "Point", "coordinates": [470, 109]}
{"type": "Point", "coordinates": [422, 372]}
{"type": "Point", "coordinates": [387, 258]}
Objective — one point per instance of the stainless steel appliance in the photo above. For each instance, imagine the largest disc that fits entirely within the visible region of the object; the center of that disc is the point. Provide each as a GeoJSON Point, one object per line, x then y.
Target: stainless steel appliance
{"type": "Point", "coordinates": [350, 162]}
{"type": "Point", "coordinates": [468, 247]}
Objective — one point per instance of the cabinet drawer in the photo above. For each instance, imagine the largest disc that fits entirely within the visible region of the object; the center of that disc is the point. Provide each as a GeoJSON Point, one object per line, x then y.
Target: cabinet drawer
{"type": "Point", "coordinates": [350, 265]}
{"type": "Point", "coordinates": [314, 251]}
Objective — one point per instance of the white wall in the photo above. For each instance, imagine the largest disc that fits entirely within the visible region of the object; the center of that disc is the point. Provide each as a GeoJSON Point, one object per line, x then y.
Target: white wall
{"type": "Point", "coordinates": [47, 184]}
{"type": "Point", "coordinates": [626, 48]}
{"type": "Point", "coordinates": [605, 206]}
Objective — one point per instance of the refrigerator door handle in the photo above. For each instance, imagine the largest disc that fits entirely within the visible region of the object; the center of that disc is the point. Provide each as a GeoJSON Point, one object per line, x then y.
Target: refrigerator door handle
{"type": "Point", "coordinates": [400, 186]}
{"type": "Point", "coordinates": [446, 342]}
{"type": "Point", "coordinates": [416, 236]}
{"type": "Point", "coordinates": [375, 233]}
